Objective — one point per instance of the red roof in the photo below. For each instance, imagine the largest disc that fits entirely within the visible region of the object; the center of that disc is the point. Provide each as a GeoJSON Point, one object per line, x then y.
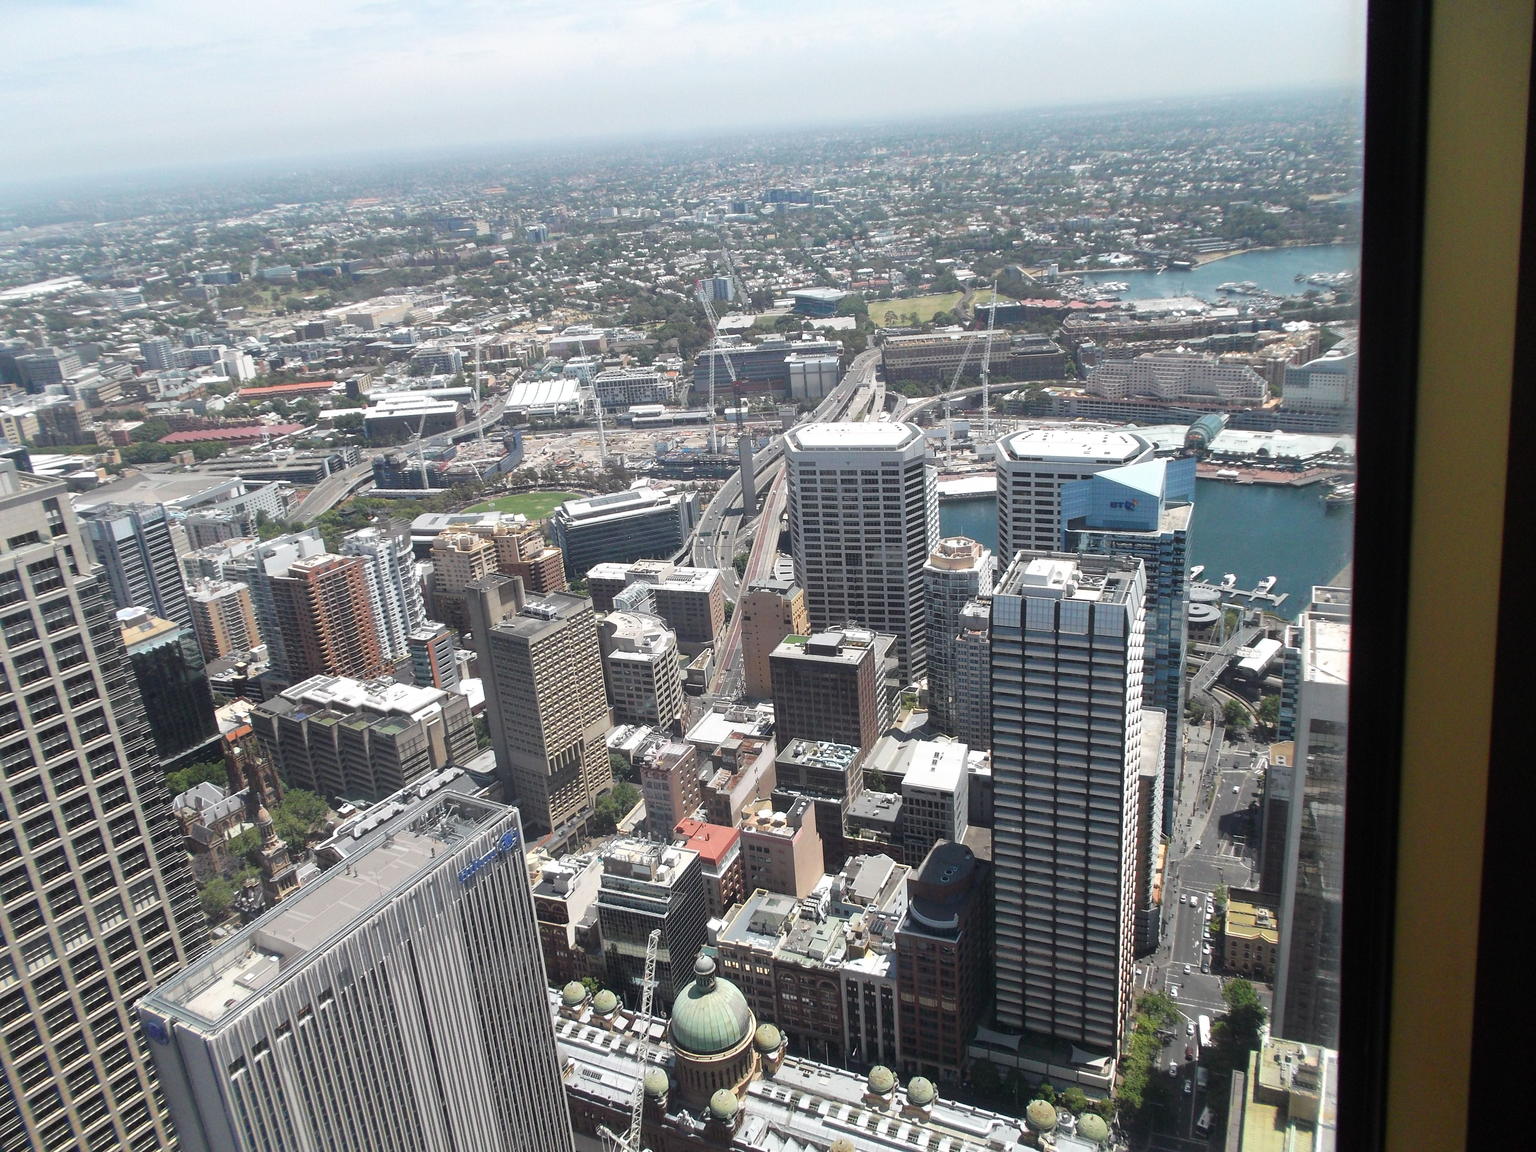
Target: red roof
{"type": "Point", "coordinates": [245, 432]}
{"type": "Point", "coordinates": [259, 390]}
{"type": "Point", "coordinates": [711, 841]}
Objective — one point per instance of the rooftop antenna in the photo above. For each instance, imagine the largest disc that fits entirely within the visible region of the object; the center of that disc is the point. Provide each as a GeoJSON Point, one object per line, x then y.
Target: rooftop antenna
{"type": "Point", "coordinates": [986, 365]}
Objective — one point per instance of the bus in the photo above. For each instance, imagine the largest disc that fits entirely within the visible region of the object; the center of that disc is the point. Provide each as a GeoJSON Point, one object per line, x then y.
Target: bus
{"type": "Point", "coordinates": [1204, 1029]}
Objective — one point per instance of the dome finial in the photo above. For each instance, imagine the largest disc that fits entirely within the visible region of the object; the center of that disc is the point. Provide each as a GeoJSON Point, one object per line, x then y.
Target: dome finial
{"type": "Point", "coordinates": [704, 972]}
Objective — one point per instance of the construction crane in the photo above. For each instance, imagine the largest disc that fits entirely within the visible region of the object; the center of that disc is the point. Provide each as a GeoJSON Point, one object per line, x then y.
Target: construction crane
{"type": "Point", "coordinates": [630, 1141]}
{"type": "Point", "coordinates": [739, 289]}
{"type": "Point", "coordinates": [986, 366]}
{"type": "Point", "coordinates": [954, 386]}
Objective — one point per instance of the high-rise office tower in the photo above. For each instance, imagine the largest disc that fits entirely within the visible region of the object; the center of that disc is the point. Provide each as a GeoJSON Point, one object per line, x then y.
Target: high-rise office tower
{"type": "Point", "coordinates": [957, 571]}
{"type": "Point", "coordinates": [771, 610]}
{"type": "Point", "coordinates": [157, 352]}
{"type": "Point", "coordinates": [1144, 510]}
{"type": "Point", "coordinates": [133, 544]}
{"type": "Point", "coordinates": [397, 1002]}
{"type": "Point", "coordinates": [971, 718]}
{"type": "Point", "coordinates": [325, 611]}
{"type": "Point", "coordinates": [1067, 643]}
{"type": "Point", "coordinates": [647, 885]}
{"type": "Point", "coordinates": [97, 902]}
{"type": "Point", "coordinates": [1307, 972]}
{"type": "Point", "coordinates": [1031, 468]}
{"type": "Point", "coordinates": [640, 669]}
{"type": "Point", "coordinates": [173, 685]}
{"type": "Point", "coordinates": [834, 686]}
{"type": "Point", "coordinates": [863, 517]}
{"type": "Point", "coordinates": [223, 619]}
{"type": "Point", "coordinates": [543, 675]}
{"type": "Point", "coordinates": [459, 559]}
{"type": "Point", "coordinates": [434, 657]}
{"type": "Point", "coordinates": [396, 593]}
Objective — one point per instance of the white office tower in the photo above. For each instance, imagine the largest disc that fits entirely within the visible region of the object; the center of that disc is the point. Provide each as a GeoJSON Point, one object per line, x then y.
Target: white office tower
{"type": "Point", "coordinates": [97, 898]}
{"type": "Point", "coordinates": [1307, 970]}
{"type": "Point", "coordinates": [396, 1004]}
{"type": "Point", "coordinates": [1067, 649]}
{"type": "Point", "coordinates": [863, 517]}
{"type": "Point", "coordinates": [396, 594]}
{"type": "Point", "coordinates": [958, 570]}
{"type": "Point", "coordinates": [1031, 468]}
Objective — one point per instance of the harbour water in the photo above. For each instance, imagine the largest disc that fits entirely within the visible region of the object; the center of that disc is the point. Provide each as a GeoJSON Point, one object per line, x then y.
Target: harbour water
{"type": "Point", "coordinates": [1253, 530]}
{"type": "Point", "coordinates": [1273, 270]}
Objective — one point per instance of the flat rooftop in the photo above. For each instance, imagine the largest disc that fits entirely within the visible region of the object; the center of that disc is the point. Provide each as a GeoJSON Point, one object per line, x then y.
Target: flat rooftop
{"type": "Point", "coordinates": [1068, 445]}
{"type": "Point", "coordinates": [935, 765]}
{"type": "Point", "coordinates": [1106, 579]}
{"type": "Point", "coordinates": [211, 992]}
{"type": "Point", "coordinates": [847, 436]}
{"type": "Point", "coordinates": [1327, 650]}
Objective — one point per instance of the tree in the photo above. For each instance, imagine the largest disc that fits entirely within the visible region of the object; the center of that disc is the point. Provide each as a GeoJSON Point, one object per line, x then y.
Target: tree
{"type": "Point", "coordinates": [1269, 712]}
{"type": "Point", "coordinates": [1244, 1019]}
{"type": "Point", "coordinates": [613, 806]}
{"type": "Point", "coordinates": [874, 780]}
{"type": "Point", "coordinates": [1235, 715]}
{"type": "Point", "coordinates": [216, 895]}
{"type": "Point", "coordinates": [1074, 1100]}
{"type": "Point", "coordinates": [1196, 710]}
{"type": "Point", "coordinates": [209, 771]}
{"type": "Point", "coordinates": [298, 817]}
{"type": "Point", "coordinates": [243, 846]}
{"type": "Point", "coordinates": [1046, 1092]}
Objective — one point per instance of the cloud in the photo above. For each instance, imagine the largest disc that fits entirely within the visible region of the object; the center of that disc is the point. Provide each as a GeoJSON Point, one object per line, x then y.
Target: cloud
{"type": "Point", "coordinates": [136, 82]}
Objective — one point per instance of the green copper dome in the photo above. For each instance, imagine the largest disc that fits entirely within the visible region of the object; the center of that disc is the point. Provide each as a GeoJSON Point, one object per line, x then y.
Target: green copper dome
{"type": "Point", "coordinates": [1041, 1115]}
{"type": "Point", "coordinates": [920, 1091]}
{"type": "Point", "coordinates": [1092, 1127]}
{"type": "Point", "coordinates": [881, 1080]}
{"type": "Point", "coordinates": [605, 1002]}
{"type": "Point", "coordinates": [723, 1104]}
{"type": "Point", "coordinates": [655, 1081]}
{"type": "Point", "coordinates": [573, 994]}
{"type": "Point", "coordinates": [767, 1039]}
{"type": "Point", "coordinates": [709, 1016]}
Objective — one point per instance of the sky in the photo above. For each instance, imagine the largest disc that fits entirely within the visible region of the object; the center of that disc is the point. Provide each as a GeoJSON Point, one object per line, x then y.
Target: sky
{"type": "Point", "coordinates": [106, 85]}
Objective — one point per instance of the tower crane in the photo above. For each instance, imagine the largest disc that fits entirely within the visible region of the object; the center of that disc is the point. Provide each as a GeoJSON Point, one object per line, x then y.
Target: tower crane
{"type": "Point", "coordinates": [986, 366]}
{"type": "Point", "coordinates": [739, 288]}
{"type": "Point", "coordinates": [630, 1140]}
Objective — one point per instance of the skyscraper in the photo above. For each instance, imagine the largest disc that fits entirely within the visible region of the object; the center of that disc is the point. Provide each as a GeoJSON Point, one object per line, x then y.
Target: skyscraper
{"type": "Point", "coordinates": [1031, 468]}
{"type": "Point", "coordinates": [544, 697]}
{"type": "Point", "coordinates": [1307, 976]}
{"type": "Point", "coordinates": [771, 610]}
{"type": "Point", "coordinates": [1067, 643]}
{"type": "Point", "coordinates": [640, 669]}
{"type": "Point", "coordinates": [257, 568]}
{"type": "Point", "coordinates": [393, 587]}
{"type": "Point", "coordinates": [132, 543]}
{"type": "Point", "coordinates": [1144, 510]}
{"type": "Point", "coordinates": [97, 902]}
{"type": "Point", "coordinates": [833, 686]}
{"type": "Point", "coordinates": [223, 619]}
{"type": "Point", "coordinates": [397, 1002]}
{"type": "Point", "coordinates": [957, 571]}
{"type": "Point", "coordinates": [173, 685]}
{"type": "Point", "coordinates": [863, 517]}
{"type": "Point", "coordinates": [326, 612]}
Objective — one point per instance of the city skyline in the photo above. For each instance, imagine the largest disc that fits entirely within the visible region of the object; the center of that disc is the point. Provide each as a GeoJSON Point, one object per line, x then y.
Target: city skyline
{"type": "Point", "coordinates": [433, 75]}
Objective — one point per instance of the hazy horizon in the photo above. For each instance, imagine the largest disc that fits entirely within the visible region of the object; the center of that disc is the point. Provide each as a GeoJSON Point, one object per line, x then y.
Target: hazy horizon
{"type": "Point", "coordinates": [139, 87]}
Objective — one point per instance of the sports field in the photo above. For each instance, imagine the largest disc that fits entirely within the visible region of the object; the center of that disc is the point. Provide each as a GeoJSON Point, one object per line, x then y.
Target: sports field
{"type": "Point", "coordinates": [913, 309]}
{"type": "Point", "coordinates": [534, 505]}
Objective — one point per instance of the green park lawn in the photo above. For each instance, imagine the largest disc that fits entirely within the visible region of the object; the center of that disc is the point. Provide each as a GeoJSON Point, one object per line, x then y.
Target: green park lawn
{"type": "Point", "coordinates": [534, 505]}
{"type": "Point", "coordinates": [923, 307]}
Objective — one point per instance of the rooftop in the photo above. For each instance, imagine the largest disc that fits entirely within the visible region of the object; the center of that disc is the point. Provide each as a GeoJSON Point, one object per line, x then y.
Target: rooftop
{"type": "Point", "coordinates": [1059, 576]}
{"type": "Point", "coordinates": [935, 765]}
{"type": "Point", "coordinates": [875, 436]}
{"type": "Point", "coordinates": [1052, 445]}
{"type": "Point", "coordinates": [270, 950]}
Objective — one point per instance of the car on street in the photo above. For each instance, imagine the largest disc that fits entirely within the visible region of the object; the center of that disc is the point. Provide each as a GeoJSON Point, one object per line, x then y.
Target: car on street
{"type": "Point", "coordinates": [1205, 967]}
{"type": "Point", "coordinates": [1188, 1087]}
{"type": "Point", "coordinates": [1173, 1067]}
{"type": "Point", "coordinates": [1189, 1029]}
{"type": "Point", "coordinates": [1189, 1051]}
{"type": "Point", "coordinates": [1234, 789]}
{"type": "Point", "coordinates": [1197, 845]}
{"type": "Point", "coordinates": [1186, 969]}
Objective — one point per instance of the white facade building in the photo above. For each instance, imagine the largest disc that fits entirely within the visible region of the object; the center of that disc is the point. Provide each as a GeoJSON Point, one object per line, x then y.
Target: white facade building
{"type": "Point", "coordinates": [934, 795]}
{"type": "Point", "coordinates": [1178, 376]}
{"type": "Point", "coordinates": [398, 607]}
{"type": "Point", "coordinates": [863, 517]}
{"type": "Point", "coordinates": [958, 570]}
{"type": "Point", "coordinates": [397, 1002]}
{"type": "Point", "coordinates": [1067, 645]}
{"type": "Point", "coordinates": [1034, 464]}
